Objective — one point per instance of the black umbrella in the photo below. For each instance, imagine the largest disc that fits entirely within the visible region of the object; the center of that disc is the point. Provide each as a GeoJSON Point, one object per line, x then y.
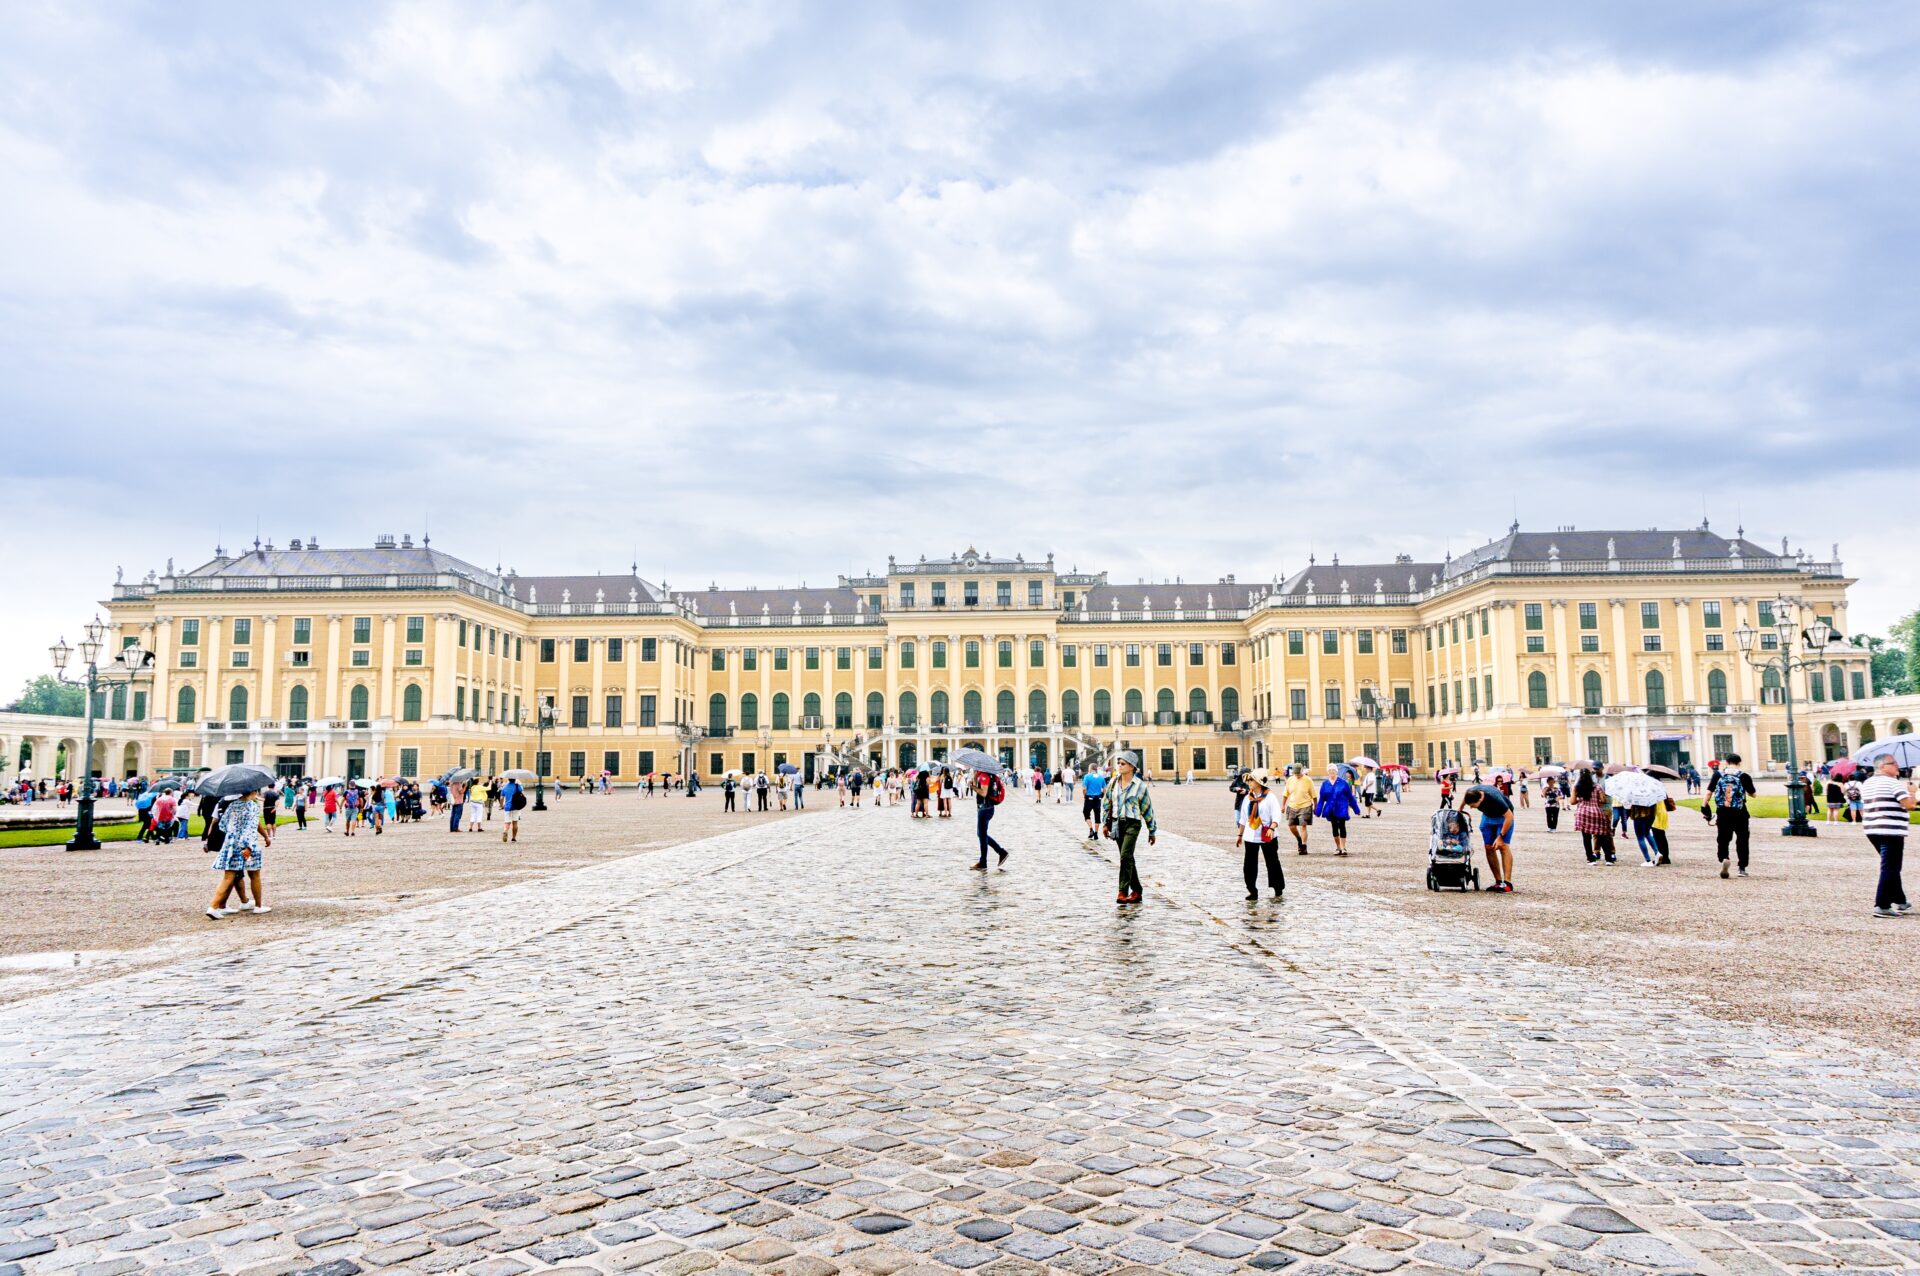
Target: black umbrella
{"type": "Point", "coordinates": [459, 775]}
{"type": "Point", "coordinates": [977, 760]}
{"type": "Point", "coordinates": [232, 781]}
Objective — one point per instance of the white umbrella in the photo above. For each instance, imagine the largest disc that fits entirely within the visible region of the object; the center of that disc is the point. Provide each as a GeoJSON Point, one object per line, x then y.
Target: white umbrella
{"type": "Point", "coordinates": [1551, 769]}
{"type": "Point", "coordinates": [1366, 762]}
{"type": "Point", "coordinates": [330, 781]}
{"type": "Point", "coordinates": [1635, 788]}
{"type": "Point", "coordinates": [519, 774]}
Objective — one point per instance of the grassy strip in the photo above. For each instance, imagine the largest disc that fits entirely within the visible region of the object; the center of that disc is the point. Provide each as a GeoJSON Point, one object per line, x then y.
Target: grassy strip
{"type": "Point", "coordinates": [1773, 806]}
{"type": "Point", "coordinates": [104, 832]}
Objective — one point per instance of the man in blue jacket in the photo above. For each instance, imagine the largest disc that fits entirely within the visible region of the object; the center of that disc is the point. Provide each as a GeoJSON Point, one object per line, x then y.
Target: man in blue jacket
{"type": "Point", "coordinates": [1336, 804]}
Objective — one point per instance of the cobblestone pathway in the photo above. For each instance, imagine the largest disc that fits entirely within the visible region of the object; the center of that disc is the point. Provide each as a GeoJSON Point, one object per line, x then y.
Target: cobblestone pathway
{"type": "Point", "coordinates": [826, 1045]}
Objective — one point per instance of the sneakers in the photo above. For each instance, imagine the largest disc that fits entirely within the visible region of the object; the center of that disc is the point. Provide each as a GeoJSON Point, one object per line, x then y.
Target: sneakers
{"type": "Point", "coordinates": [263, 908]}
{"type": "Point", "coordinates": [1886, 912]}
{"type": "Point", "coordinates": [1743, 872]}
{"type": "Point", "coordinates": [980, 867]}
{"type": "Point", "coordinates": [215, 914]}
{"type": "Point", "coordinates": [1252, 896]}
{"type": "Point", "coordinates": [1723, 868]}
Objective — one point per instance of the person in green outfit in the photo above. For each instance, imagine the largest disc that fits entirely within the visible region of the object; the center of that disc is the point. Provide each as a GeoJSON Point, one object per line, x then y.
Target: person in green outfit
{"type": "Point", "coordinates": [1125, 807]}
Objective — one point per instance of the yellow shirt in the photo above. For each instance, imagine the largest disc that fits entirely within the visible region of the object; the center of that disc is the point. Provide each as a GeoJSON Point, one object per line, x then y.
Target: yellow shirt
{"type": "Point", "coordinates": [1660, 815]}
{"type": "Point", "coordinates": [1299, 792]}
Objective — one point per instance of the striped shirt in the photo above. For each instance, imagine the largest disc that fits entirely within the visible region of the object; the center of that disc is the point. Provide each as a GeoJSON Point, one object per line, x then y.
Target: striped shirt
{"type": "Point", "coordinates": [1883, 814]}
{"type": "Point", "coordinates": [1129, 801]}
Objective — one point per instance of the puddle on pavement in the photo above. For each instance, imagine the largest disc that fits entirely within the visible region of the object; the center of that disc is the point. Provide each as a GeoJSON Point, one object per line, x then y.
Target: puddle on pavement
{"type": "Point", "coordinates": [42, 963]}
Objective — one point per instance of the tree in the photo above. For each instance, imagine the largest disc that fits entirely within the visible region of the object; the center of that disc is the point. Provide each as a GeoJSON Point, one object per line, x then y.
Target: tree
{"type": "Point", "coordinates": [1896, 658]}
{"type": "Point", "coordinates": [47, 694]}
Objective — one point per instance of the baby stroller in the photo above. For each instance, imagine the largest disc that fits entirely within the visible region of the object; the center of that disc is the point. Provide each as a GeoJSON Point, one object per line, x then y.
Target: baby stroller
{"type": "Point", "coordinates": [1450, 852]}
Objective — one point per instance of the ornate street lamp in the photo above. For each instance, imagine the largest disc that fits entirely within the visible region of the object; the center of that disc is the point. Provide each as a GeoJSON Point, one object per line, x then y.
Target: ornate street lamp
{"type": "Point", "coordinates": [1815, 638]}
{"type": "Point", "coordinates": [133, 661]}
{"type": "Point", "coordinates": [542, 719]}
{"type": "Point", "coordinates": [1370, 709]}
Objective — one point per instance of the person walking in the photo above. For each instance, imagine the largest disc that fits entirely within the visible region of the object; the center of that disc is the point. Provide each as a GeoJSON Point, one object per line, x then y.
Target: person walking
{"type": "Point", "coordinates": [166, 809]}
{"type": "Point", "coordinates": [350, 809]}
{"type": "Point", "coordinates": [243, 835]}
{"type": "Point", "coordinates": [474, 808]}
{"type": "Point", "coordinates": [1590, 818]}
{"type": "Point", "coordinates": [1336, 804]}
{"type": "Point", "coordinates": [1550, 799]}
{"type": "Point", "coordinates": [1496, 831]}
{"type": "Point", "coordinates": [300, 807]}
{"type": "Point", "coordinates": [330, 806]}
{"type": "Point", "coordinates": [513, 799]}
{"type": "Point", "coordinates": [1258, 816]}
{"type": "Point", "coordinates": [762, 791]}
{"type": "Point", "coordinates": [1091, 787]}
{"type": "Point", "coordinates": [988, 792]}
{"type": "Point", "coordinates": [799, 794]}
{"type": "Point", "coordinates": [1726, 806]}
{"type": "Point", "coordinates": [726, 792]}
{"type": "Point", "coordinates": [1297, 798]}
{"type": "Point", "coordinates": [1886, 801]}
{"type": "Point", "coordinates": [856, 782]}
{"type": "Point", "coordinates": [1126, 807]}
{"type": "Point", "coordinates": [1525, 800]}
{"type": "Point", "coordinates": [1662, 811]}
{"type": "Point", "coordinates": [457, 796]}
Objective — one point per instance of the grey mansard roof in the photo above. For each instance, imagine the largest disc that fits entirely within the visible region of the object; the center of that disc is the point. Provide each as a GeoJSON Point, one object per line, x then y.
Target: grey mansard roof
{"type": "Point", "coordinates": [777, 601]}
{"type": "Point", "coordinates": [583, 589]}
{"type": "Point", "coordinates": [383, 560]}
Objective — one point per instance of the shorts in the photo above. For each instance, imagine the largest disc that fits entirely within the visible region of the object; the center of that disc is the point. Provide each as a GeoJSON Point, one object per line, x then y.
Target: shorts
{"type": "Point", "coordinates": [1338, 824]}
{"type": "Point", "coordinates": [1490, 829]}
{"type": "Point", "coordinates": [1299, 817]}
{"type": "Point", "coordinates": [1090, 807]}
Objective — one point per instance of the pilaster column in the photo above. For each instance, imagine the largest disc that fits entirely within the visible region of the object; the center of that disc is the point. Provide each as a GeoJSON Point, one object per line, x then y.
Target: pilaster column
{"type": "Point", "coordinates": [597, 705]}
{"type": "Point", "coordinates": [1562, 657]}
{"type": "Point", "coordinates": [1622, 653]}
{"type": "Point", "coordinates": [216, 676]}
{"type": "Point", "coordinates": [384, 707]}
{"type": "Point", "coordinates": [266, 657]}
{"type": "Point", "coordinates": [1349, 688]}
{"type": "Point", "coordinates": [1316, 692]}
{"type": "Point", "coordinates": [1683, 620]}
{"type": "Point", "coordinates": [160, 711]}
{"type": "Point", "coordinates": [442, 675]}
{"type": "Point", "coordinates": [630, 707]}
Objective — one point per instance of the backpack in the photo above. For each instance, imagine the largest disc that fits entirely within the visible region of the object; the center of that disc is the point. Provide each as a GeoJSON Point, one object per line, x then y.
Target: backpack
{"type": "Point", "coordinates": [1729, 793]}
{"type": "Point", "coordinates": [996, 791]}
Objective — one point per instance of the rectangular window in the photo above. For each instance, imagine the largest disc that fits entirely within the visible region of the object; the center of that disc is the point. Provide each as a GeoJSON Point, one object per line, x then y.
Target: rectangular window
{"type": "Point", "coordinates": [362, 658]}
{"type": "Point", "coordinates": [579, 711]}
{"type": "Point", "coordinates": [1650, 642]}
{"type": "Point", "coordinates": [1333, 702]}
{"type": "Point", "coordinates": [1399, 642]}
{"type": "Point", "coordinates": [1534, 619]}
{"type": "Point", "coordinates": [543, 763]}
{"type": "Point", "coordinates": [616, 649]}
{"type": "Point", "coordinates": [1716, 642]}
{"type": "Point", "coordinates": [1766, 614]}
{"type": "Point", "coordinates": [1710, 614]}
{"type": "Point", "coordinates": [1003, 593]}
{"type": "Point", "coordinates": [643, 762]}
{"type": "Point", "coordinates": [242, 631]}
{"type": "Point", "coordinates": [1196, 653]}
{"type": "Point", "coordinates": [1445, 703]}
{"type": "Point", "coordinates": [546, 651]}
{"type": "Point", "coordinates": [939, 655]}
{"type": "Point", "coordinates": [189, 633]}
{"type": "Point", "coordinates": [1133, 655]}
{"type": "Point", "coordinates": [1100, 655]}
{"type": "Point", "coordinates": [906, 593]}
{"type": "Point", "coordinates": [1536, 644]}
{"type": "Point", "coordinates": [1302, 756]}
{"type": "Point", "coordinates": [1036, 595]}
{"type": "Point", "coordinates": [1597, 749]}
{"type": "Point", "coordinates": [493, 642]}
{"type": "Point", "coordinates": [971, 592]}
{"type": "Point", "coordinates": [812, 658]}
{"type": "Point", "coordinates": [750, 659]}
{"type": "Point", "coordinates": [1473, 693]}
{"type": "Point", "coordinates": [1336, 753]}
{"type": "Point", "coordinates": [1229, 654]}
{"type": "Point", "coordinates": [460, 704]}
{"type": "Point", "coordinates": [463, 632]}
{"type": "Point", "coordinates": [843, 658]}
{"type": "Point", "coordinates": [363, 629]}
{"type": "Point", "coordinates": [1487, 684]}
{"type": "Point", "coordinates": [1456, 631]}
{"type": "Point", "coordinates": [416, 629]}
{"type": "Point", "coordinates": [303, 632]}
{"type": "Point", "coordinates": [1589, 615]}
{"type": "Point", "coordinates": [649, 649]}
{"type": "Point", "coordinates": [1296, 642]}
{"type": "Point", "coordinates": [1430, 701]}
{"type": "Point", "coordinates": [1036, 653]}
{"type": "Point", "coordinates": [189, 660]}
{"type": "Point", "coordinates": [613, 711]}
{"type": "Point", "coordinates": [242, 659]}
{"type": "Point", "coordinates": [1297, 704]}
{"type": "Point", "coordinates": [1066, 599]}
{"type": "Point", "coordinates": [780, 659]}
{"type": "Point", "coordinates": [875, 659]}
{"type": "Point", "coordinates": [1199, 759]}
{"type": "Point", "coordinates": [1857, 681]}
{"type": "Point", "coordinates": [1649, 615]}
{"type": "Point", "coordinates": [582, 651]}
{"type": "Point", "coordinates": [577, 762]}
{"type": "Point", "coordinates": [939, 593]}
{"type": "Point", "coordinates": [610, 761]}
{"type": "Point", "coordinates": [1069, 656]}
{"type": "Point", "coordinates": [1004, 654]}
{"type": "Point", "coordinates": [906, 654]}
{"type": "Point", "coordinates": [1230, 757]}
{"type": "Point", "coordinates": [1777, 747]}
{"type": "Point", "coordinates": [1163, 655]}
{"type": "Point", "coordinates": [972, 653]}
{"type": "Point", "coordinates": [719, 660]}
{"type": "Point", "coordinates": [1769, 640]}
{"type": "Point", "coordinates": [1329, 642]}
{"type": "Point", "coordinates": [1589, 642]}
{"type": "Point", "coordinates": [1363, 640]}
{"type": "Point", "coordinates": [649, 712]}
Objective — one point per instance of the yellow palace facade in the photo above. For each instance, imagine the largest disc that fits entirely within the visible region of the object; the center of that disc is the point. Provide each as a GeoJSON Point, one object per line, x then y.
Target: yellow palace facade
{"type": "Point", "coordinates": [401, 659]}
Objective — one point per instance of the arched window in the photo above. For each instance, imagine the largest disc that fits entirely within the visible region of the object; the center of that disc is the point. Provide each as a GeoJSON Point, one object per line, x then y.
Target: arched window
{"type": "Point", "coordinates": [1536, 690]}
{"type": "Point", "coordinates": [810, 708]}
{"type": "Point", "coordinates": [717, 713]}
{"type": "Point", "coordinates": [749, 712]}
{"type": "Point", "coordinates": [357, 704]}
{"type": "Point", "coordinates": [1770, 686]}
{"type": "Point", "coordinates": [909, 710]}
{"type": "Point", "coordinates": [1656, 691]}
{"type": "Point", "coordinates": [780, 710]}
{"type": "Point", "coordinates": [1229, 704]}
{"type": "Point", "coordinates": [1836, 683]}
{"type": "Point", "coordinates": [410, 706]}
{"type": "Point", "coordinates": [297, 707]}
{"type": "Point", "coordinates": [876, 710]}
{"type": "Point", "coordinates": [1716, 691]}
{"type": "Point", "coordinates": [1003, 708]}
{"type": "Point", "coordinates": [237, 705]}
{"type": "Point", "coordinates": [1070, 708]}
{"type": "Point", "coordinates": [1590, 691]}
{"type": "Point", "coordinates": [1103, 708]}
{"type": "Point", "coordinates": [1163, 703]}
{"type": "Point", "coordinates": [1036, 708]}
{"type": "Point", "coordinates": [184, 707]}
{"type": "Point", "coordinates": [843, 710]}
{"type": "Point", "coordinates": [1134, 702]}
{"type": "Point", "coordinates": [970, 708]}
{"type": "Point", "coordinates": [940, 709]}
{"type": "Point", "coordinates": [1197, 702]}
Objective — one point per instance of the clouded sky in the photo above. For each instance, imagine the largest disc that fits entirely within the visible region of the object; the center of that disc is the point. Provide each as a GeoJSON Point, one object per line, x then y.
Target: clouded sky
{"type": "Point", "coordinates": [771, 291]}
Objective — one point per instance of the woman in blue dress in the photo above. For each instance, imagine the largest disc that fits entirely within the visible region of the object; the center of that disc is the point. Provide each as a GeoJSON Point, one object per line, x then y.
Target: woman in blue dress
{"type": "Point", "coordinates": [244, 828]}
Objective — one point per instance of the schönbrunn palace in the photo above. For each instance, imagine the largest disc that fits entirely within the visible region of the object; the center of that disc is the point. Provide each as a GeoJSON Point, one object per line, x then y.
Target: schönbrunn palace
{"type": "Point", "coordinates": [401, 659]}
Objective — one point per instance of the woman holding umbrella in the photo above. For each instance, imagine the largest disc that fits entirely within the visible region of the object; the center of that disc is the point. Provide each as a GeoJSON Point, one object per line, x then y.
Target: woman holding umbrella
{"type": "Point", "coordinates": [243, 834]}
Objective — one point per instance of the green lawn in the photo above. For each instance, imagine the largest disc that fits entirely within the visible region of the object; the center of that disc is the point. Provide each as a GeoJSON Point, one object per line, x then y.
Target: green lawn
{"type": "Point", "coordinates": [105, 832]}
{"type": "Point", "coordinates": [1773, 806]}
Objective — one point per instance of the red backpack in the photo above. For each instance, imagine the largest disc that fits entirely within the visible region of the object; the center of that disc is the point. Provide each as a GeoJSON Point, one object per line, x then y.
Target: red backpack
{"type": "Point", "coordinates": [996, 791]}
